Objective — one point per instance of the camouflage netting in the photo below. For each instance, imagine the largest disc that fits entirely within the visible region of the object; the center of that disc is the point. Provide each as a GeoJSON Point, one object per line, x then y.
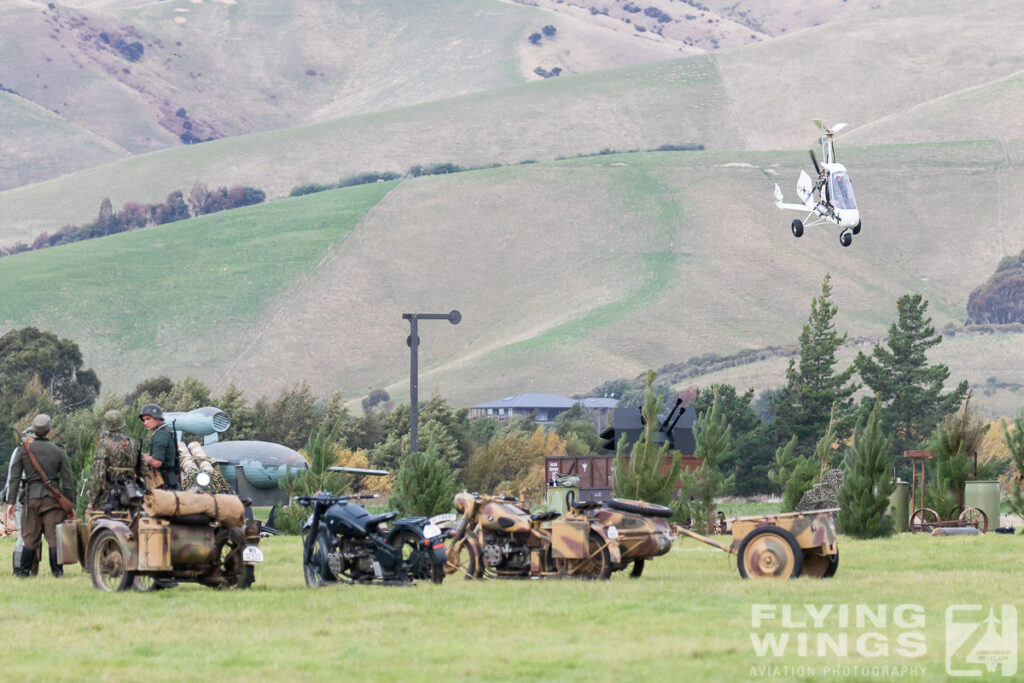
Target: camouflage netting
{"type": "Point", "coordinates": [824, 494]}
{"type": "Point", "coordinates": [191, 461]}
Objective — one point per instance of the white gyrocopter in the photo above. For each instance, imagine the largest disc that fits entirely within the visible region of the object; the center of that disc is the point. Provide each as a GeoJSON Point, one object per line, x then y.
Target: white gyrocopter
{"type": "Point", "coordinates": [829, 199]}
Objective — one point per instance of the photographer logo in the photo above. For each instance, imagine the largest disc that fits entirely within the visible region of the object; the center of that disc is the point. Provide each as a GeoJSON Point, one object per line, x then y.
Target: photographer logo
{"type": "Point", "coordinates": [977, 643]}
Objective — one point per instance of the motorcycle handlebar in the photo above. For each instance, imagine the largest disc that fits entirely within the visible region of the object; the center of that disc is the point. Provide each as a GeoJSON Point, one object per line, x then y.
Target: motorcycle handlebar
{"type": "Point", "coordinates": [331, 500]}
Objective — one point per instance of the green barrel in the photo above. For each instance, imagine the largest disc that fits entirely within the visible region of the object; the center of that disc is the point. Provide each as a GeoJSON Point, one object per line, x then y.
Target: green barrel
{"type": "Point", "coordinates": [561, 497]}
{"type": "Point", "coordinates": [984, 495]}
{"type": "Point", "coordinates": [899, 506]}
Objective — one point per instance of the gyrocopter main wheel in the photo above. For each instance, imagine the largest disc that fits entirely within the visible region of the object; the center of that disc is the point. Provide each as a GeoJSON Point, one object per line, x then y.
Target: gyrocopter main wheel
{"type": "Point", "coordinates": [846, 237]}
{"type": "Point", "coordinates": [797, 227]}
{"type": "Point", "coordinates": [856, 231]}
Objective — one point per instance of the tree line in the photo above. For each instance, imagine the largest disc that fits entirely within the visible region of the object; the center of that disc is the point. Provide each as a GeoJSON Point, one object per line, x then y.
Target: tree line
{"type": "Point", "coordinates": [783, 441]}
{"type": "Point", "coordinates": [133, 215]}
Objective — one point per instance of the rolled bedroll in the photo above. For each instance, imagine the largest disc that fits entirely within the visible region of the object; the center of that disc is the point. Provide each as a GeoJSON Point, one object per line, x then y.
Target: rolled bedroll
{"type": "Point", "coordinates": [223, 507]}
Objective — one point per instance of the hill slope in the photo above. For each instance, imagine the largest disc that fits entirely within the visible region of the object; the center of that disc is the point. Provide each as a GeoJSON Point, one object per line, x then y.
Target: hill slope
{"type": "Point", "coordinates": [761, 96]}
{"type": "Point", "coordinates": [143, 74]}
{"type": "Point", "coordinates": [567, 274]}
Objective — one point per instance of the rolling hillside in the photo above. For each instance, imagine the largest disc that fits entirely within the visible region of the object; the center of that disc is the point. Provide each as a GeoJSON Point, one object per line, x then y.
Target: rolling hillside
{"type": "Point", "coordinates": [142, 74]}
{"type": "Point", "coordinates": [567, 274]}
{"type": "Point", "coordinates": [758, 97]}
{"type": "Point", "coordinates": [568, 271]}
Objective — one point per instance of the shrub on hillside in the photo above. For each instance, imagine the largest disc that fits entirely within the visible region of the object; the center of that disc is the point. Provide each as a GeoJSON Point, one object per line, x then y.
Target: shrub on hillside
{"type": "Point", "coordinates": [1001, 299]}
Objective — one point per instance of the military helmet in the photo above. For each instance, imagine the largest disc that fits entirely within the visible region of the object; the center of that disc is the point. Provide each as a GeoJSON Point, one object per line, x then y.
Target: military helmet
{"type": "Point", "coordinates": [153, 410]}
{"type": "Point", "coordinates": [113, 421]}
{"type": "Point", "coordinates": [42, 424]}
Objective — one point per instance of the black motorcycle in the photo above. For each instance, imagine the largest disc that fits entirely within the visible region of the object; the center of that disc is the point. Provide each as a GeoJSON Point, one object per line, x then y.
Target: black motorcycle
{"type": "Point", "coordinates": [343, 543]}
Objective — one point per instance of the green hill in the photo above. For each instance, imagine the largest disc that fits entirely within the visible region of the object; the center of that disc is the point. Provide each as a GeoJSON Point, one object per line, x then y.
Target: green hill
{"type": "Point", "coordinates": [567, 274]}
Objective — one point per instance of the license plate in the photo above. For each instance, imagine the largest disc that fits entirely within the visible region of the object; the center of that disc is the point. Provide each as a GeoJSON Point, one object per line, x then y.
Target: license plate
{"type": "Point", "coordinates": [251, 554]}
{"type": "Point", "coordinates": [431, 531]}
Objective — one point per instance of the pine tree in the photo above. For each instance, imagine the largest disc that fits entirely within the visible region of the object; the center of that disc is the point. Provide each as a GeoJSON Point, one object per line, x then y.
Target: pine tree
{"type": "Point", "coordinates": [794, 474]}
{"type": "Point", "coordinates": [643, 475]}
{"type": "Point", "coordinates": [956, 443]}
{"type": "Point", "coordinates": [1015, 443]}
{"type": "Point", "coordinates": [804, 406]}
{"type": "Point", "coordinates": [867, 481]}
{"type": "Point", "coordinates": [424, 484]}
{"type": "Point", "coordinates": [714, 444]}
{"type": "Point", "coordinates": [899, 374]}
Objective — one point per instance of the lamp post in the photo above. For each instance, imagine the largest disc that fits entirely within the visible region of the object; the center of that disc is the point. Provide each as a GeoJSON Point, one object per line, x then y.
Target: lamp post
{"type": "Point", "coordinates": [414, 342]}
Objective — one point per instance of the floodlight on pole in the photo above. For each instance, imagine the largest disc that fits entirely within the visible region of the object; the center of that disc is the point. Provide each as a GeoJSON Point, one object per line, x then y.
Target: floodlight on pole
{"type": "Point", "coordinates": [454, 317]}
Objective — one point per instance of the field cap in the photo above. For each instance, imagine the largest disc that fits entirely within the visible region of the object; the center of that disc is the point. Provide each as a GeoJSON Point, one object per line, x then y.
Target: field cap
{"type": "Point", "coordinates": [42, 423]}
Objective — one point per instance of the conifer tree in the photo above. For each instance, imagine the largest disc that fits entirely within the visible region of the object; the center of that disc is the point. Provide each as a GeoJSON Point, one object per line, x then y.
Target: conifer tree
{"type": "Point", "coordinates": [714, 443]}
{"type": "Point", "coordinates": [867, 481]}
{"type": "Point", "coordinates": [899, 374]}
{"type": "Point", "coordinates": [794, 474]}
{"type": "Point", "coordinates": [803, 407]}
{"type": "Point", "coordinates": [424, 484]}
{"type": "Point", "coordinates": [956, 443]}
{"type": "Point", "coordinates": [642, 476]}
{"type": "Point", "coordinates": [1015, 444]}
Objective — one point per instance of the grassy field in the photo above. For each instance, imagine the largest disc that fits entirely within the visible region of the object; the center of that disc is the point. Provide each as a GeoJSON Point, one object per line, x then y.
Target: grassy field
{"type": "Point", "coordinates": [688, 618]}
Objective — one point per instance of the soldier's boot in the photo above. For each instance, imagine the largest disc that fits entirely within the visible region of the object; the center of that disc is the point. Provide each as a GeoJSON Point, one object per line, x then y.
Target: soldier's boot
{"type": "Point", "coordinates": [56, 569]}
{"type": "Point", "coordinates": [28, 556]}
{"type": "Point", "coordinates": [16, 562]}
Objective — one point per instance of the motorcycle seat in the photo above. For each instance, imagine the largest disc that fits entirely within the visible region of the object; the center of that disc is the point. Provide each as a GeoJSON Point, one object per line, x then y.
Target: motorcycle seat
{"type": "Point", "coordinates": [373, 521]}
{"type": "Point", "coordinates": [545, 516]}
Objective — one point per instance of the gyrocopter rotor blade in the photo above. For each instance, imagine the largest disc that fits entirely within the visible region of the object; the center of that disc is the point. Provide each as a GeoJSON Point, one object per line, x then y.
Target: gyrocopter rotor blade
{"type": "Point", "coordinates": [829, 131]}
{"type": "Point", "coordinates": [814, 161]}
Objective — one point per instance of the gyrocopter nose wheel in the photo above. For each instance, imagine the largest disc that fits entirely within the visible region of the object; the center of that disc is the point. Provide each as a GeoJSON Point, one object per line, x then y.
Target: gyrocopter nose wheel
{"type": "Point", "coordinates": [797, 227]}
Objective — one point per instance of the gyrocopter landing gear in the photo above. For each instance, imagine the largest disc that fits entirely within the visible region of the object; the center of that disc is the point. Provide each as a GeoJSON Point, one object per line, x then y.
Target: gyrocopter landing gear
{"type": "Point", "coordinates": [846, 237]}
{"type": "Point", "coordinates": [856, 231]}
{"type": "Point", "coordinates": [797, 227]}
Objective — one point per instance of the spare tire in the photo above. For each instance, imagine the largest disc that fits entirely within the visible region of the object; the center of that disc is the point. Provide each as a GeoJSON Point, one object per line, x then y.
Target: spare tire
{"type": "Point", "coordinates": [640, 507]}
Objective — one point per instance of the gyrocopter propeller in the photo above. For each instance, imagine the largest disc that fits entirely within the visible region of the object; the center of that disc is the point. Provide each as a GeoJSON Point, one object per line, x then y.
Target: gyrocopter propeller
{"type": "Point", "coordinates": [829, 198]}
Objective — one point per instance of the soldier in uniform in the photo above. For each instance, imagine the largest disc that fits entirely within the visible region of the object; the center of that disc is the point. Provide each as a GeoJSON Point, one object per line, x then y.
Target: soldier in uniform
{"type": "Point", "coordinates": [116, 465]}
{"type": "Point", "coordinates": [41, 513]}
{"type": "Point", "coordinates": [163, 447]}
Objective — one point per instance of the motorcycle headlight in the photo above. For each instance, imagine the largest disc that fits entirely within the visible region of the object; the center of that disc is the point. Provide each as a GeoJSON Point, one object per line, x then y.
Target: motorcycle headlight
{"type": "Point", "coordinates": [613, 532]}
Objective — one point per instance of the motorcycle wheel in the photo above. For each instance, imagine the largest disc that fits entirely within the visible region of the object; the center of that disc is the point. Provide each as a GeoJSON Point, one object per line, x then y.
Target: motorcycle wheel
{"type": "Point", "coordinates": [598, 565]}
{"type": "Point", "coordinates": [239, 574]}
{"type": "Point", "coordinates": [462, 558]}
{"type": "Point", "coordinates": [416, 557]}
{"type": "Point", "coordinates": [316, 572]}
{"type": "Point", "coordinates": [107, 564]}
{"type": "Point", "coordinates": [637, 570]}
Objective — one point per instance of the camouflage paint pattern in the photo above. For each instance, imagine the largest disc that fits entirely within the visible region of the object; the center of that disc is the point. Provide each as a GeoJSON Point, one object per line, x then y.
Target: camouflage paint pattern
{"type": "Point", "coordinates": [160, 547]}
{"type": "Point", "coordinates": [507, 542]}
{"type": "Point", "coordinates": [640, 536]}
{"type": "Point", "coordinates": [114, 461]}
{"type": "Point", "coordinates": [815, 529]}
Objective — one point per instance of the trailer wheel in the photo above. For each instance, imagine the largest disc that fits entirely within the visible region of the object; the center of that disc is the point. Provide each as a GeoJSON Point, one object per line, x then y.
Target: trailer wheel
{"type": "Point", "coordinates": [640, 507]}
{"type": "Point", "coordinates": [820, 566]}
{"type": "Point", "coordinates": [769, 552]}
